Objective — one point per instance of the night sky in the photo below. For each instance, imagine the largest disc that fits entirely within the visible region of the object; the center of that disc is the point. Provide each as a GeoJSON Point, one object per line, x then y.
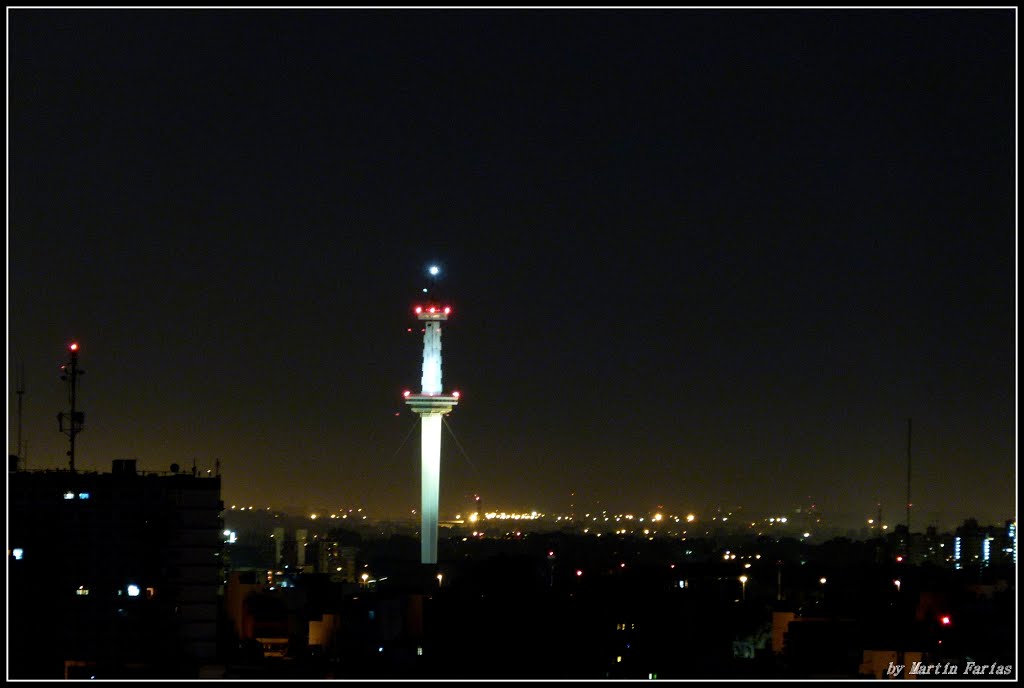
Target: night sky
{"type": "Point", "coordinates": [697, 259]}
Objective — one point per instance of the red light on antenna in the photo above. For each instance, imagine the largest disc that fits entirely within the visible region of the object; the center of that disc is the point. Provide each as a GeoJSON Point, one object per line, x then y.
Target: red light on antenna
{"type": "Point", "coordinates": [74, 346]}
{"type": "Point", "coordinates": [579, 572]}
{"type": "Point", "coordinates": [946, 620]}
{"type": "Point", "coordinates": [899, 558]}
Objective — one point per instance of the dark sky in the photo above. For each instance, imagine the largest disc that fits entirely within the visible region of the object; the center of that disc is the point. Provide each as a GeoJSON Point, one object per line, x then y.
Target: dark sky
{"type": "Point", "coordinates": [697, 258]}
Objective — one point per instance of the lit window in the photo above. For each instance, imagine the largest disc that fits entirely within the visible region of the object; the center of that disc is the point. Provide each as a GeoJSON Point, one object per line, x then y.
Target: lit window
{"type": "Point", "coordinates": [82, 590]}
{"type": "Point", "coordinates": [83, 495]}
{"type": "Point", "coordinates": [133, 590]}
{"type": "Point", "coordinates": [18, 553]}
{"type": "Point", "coordinates": [69, 495]}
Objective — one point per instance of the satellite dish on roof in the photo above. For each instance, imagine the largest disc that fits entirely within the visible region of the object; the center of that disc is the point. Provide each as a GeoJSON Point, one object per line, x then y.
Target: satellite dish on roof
{"type": "Point", "coordinates": [175, 468]}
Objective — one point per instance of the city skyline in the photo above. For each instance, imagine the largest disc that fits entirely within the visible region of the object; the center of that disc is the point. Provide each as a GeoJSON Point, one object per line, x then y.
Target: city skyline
{"type": "Point", "coordinates": [695, 258]}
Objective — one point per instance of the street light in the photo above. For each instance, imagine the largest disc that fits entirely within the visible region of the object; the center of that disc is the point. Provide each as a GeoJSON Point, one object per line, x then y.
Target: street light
{"type": "Point", "coordinates": [743, 584]}
{"type": "Point", "coordinates": [897, 584]}
{"type": "Point", "coordinates": [439, 577]}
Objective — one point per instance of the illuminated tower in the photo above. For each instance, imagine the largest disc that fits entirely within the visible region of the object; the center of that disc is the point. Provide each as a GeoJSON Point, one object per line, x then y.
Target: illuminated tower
{"type": "Point", "coordinates": [431, 405]}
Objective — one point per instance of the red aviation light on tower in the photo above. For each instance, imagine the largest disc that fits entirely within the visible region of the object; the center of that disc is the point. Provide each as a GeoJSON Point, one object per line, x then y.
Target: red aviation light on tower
{"type": "Point", "coordinates": [455, 394]}
{"type": "Point", "coordinates": [406, 393]}
{"type": "Point", "coordinates": [447, 310]}
{"type": "Point", "coordinates": [418, 310]}
{"type": "Point", "coordinates": [74, 346]}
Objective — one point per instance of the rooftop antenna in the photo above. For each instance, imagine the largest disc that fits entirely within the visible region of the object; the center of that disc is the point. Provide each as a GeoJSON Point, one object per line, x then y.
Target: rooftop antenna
{"type": "Point", "coordinates": [75, 418]}
{"type": "Point", "coordinates": [20, 389]}
{"type": "Point", "coordinates": [908, 481]}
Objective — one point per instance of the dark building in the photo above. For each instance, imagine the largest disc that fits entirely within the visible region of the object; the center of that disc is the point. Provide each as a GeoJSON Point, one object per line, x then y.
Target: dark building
{"type": "Point", "coordinates": [113, 574]}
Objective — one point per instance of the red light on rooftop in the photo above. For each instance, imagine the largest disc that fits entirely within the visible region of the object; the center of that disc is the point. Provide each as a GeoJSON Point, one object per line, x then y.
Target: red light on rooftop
{"type": "Point", "coordinates": [899, 558]}
{"type": "Point", "coordinates": [946, 620]}
{"type": "Point", "coordinates": [579, 572]}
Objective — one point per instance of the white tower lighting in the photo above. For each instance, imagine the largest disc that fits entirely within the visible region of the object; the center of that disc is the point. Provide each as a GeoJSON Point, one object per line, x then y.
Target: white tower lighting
{"type": "Point", "coordinates": [431, 405]}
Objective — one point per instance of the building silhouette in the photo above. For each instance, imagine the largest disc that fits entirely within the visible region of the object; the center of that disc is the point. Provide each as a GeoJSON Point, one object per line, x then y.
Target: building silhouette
{"type": "Point", "coordinates": [113, 574]}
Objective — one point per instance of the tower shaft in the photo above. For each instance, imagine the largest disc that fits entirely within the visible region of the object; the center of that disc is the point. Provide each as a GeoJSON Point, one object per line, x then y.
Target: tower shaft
{"type": "Point", "coordinates": [430, 485]}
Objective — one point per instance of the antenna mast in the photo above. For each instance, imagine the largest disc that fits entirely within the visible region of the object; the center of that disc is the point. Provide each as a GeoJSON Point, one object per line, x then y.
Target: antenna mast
{"type": "Point", "coordinates": [75, 418]}
{"type": "Point", "coordinates": [20, 389]}
{"type": "Point", "coordinates": [908, 480]}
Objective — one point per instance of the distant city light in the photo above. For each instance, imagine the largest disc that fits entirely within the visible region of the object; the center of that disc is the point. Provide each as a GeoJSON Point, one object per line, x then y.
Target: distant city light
{"type": "Point", "coordinates": [579, 572]}
{"type": "Point", "coordinates": [690, 518]}
{"type": "Point", "coordinates": [69, 495]}
{"type": "Point", "coordinates": [134, 590]}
